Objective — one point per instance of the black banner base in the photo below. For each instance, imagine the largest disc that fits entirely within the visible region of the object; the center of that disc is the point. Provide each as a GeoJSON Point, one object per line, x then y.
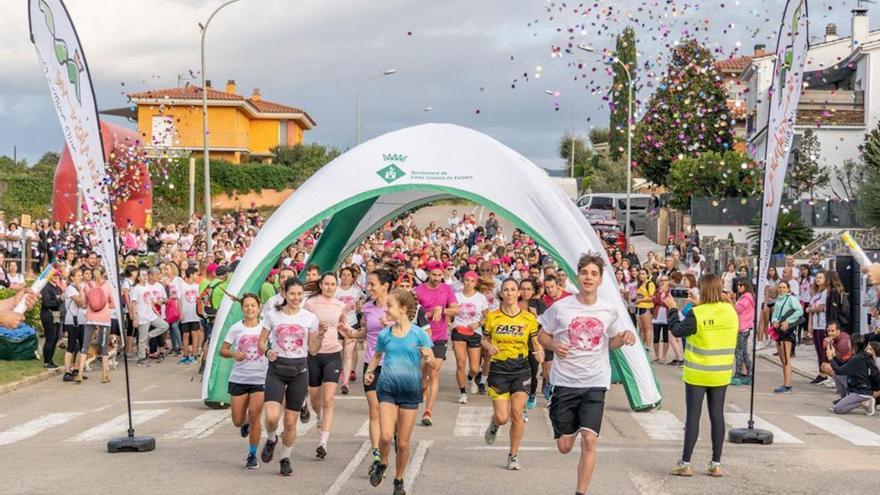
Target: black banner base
{"type": "Point", "coordinates": [131, 444]}
{"type": "Point", "coordinates": [750, 435]}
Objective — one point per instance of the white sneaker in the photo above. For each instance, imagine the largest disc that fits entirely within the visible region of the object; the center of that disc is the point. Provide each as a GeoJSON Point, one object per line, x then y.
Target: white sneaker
{"type": "Point", "coordinates": [474, 387]}
{"type": "Point", "coordinates": [829, 383]}
{"type": "Point", "coordinates": [869, 406]}
{"type": "Point", "coordinates": [462, 398]}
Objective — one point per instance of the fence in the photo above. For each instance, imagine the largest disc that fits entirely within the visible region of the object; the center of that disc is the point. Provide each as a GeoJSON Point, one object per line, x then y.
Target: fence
{"type": "Point", "coordinates": [823, 213]}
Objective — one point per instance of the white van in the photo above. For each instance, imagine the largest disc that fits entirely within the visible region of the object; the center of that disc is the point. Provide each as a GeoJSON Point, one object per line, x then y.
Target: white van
{"type": "Point", "coordinates": [612, 206]}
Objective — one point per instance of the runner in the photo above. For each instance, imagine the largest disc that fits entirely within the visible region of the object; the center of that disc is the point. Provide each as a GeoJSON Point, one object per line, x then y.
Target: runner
{"type": "Point", "coordinates": [283, 342]}
{"type": "Point", "coordinates": [352, 297]}
{"type": "Point", "coordinates": [438, 301]}
{"type": "Point", "coordinates": [326, 364]}
{"type": "Point", "coordinates": [466, 335]}
{"type": "Point", "coordinates": [248, 377]}
{"type": "Point", "coordinates": [581, 331]}
{"type": "Point", "coordinates": [506, 339]}
{"type": "Point", "coordinates": [398, 386]}
{"type": "Point", "coordinates": [375, 319]}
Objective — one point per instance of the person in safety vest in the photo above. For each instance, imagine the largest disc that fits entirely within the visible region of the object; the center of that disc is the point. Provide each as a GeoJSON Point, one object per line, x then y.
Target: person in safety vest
{"type": "Point", "coordinates": [711, 329]}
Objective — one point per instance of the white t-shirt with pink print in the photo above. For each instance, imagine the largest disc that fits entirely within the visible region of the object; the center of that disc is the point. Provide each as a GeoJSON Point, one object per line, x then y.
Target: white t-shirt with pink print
{"type": "Point", "coordinates": [289, 334]}
{"type": "Point", "coordinates": [251, 371]}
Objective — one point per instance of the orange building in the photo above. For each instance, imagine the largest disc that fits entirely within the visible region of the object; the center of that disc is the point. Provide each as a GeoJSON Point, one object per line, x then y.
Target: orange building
{"type": "Point", "coordinates": [240, 128]}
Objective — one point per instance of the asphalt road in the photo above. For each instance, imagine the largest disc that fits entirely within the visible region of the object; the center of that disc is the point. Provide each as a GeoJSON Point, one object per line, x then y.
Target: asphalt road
{"type": "Point", "coordinates": [53, 438]}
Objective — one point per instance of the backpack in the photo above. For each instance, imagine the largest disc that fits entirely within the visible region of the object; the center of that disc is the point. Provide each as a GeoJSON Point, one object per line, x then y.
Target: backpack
{"type": "Point", "coordinates": [204, 305]}
{"type": "Point", "coordinates": [839, 309]}
{"type": "Point", "coordinates": [96, 298]}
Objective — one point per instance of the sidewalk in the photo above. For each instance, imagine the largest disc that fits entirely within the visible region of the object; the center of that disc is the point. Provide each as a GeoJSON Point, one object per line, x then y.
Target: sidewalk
{"type": "Point", "coordinates": [804, 363]}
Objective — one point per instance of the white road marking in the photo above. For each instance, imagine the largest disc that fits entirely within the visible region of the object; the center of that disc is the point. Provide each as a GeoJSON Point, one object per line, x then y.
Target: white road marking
{"type": "Point", "coordinates": [346, 473]}
{"type": "Point", "coordinates": [165, 401]}
{"type": "Point", "coordinates": [149, 387]}
{"type": "Point", "coordinates": [660, 425]}
{"type": "Point", "coordinates": [415, 465]}
{"type": "Point", "coordinates": [102, 408]}
{"type": "Point", "coordinates": [117, 425]}
{"type": "Point", "coordinates": [507, 448]}
{"type": "Point", "coordinates": [472, 421]}
{"type": "Point", "coordinates": [35, 426]}
{"type": "Point", "coordinates": [364, 430]}
{"type": "Point", "coordinates": [547, 418]}
{"type": "Point", "coordinates": [201, 426]}
{"type": "Point", "coordinates": [839, 427]}
{"type": "Point", "coordinates": [741, 420]}
{"type": "Point", "coordinates": [577, 448]}
{"type": "Point", "coordinates": [646, 485]}
{"type": "Point", "coordinates": [733, 407]}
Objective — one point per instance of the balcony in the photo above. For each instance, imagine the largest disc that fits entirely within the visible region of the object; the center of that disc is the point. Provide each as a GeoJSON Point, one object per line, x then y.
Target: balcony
{"type": "Point", "coordinates": [831, 108]}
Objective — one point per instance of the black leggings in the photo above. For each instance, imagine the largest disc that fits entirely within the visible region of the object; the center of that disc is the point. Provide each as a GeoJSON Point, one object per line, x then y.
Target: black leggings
{"type": "Point", "coordinates": [694, 400]}
{"type": "Point", "coordinates": [52, 333]}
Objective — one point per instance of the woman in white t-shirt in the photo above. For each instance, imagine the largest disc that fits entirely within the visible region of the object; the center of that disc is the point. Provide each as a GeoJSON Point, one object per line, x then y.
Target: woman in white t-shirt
{"type": "Point", "coordinates": [350, 295]}
{"type": "Point", "coordinates": [289, 334]}
{"type": "Point", "coordinates": [819, 319]}
{"type": "Point", "coordinates": [467, 335]}
{"type": "Point", "coordinates": [248, 377]}
{"type": "Point", "coordinates": [74, 320]}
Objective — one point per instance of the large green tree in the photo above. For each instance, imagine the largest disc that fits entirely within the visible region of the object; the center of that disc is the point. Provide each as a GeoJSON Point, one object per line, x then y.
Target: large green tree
{"type": "Point", "coordinates": [305, 158]}
{"type": "Point", "coordinates": [686, 116]}
{"type": "Point", "coordinates": [625, 52]}
{"type": "Point", "coordinates": [806, 175]}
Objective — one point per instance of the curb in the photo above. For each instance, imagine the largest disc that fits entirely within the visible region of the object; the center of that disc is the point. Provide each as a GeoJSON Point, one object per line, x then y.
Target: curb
{"type": "Point", "coordinates": [771, 359]}
{"type": "Point", "coordinates": [31, 380]}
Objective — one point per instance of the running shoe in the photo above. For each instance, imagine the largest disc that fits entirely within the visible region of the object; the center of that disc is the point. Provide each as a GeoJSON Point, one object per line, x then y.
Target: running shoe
{"type": "Point", "coordinates": [475, 387]}
{"type": "Point", "coordinates": [252, 462]}
{"type": "Point", "coordinates": [398, 488]}
{"type": "Point", "coordinates": [183, 360]}
{"type": "Point", "coordinates": [829, 383]}
{"type": "Point", "coordinates": [481, 388]}
{"type": "Point", "coordinates": [491, 433]}
{"type": "Point", "coordinates": [68, 377]}
{"type": "Point", "coordinates": [513, 463]}
{"type": "Point", "coordinates": [305, 414]}
{"type": "Point", "coordinates": [714, 469]}
{"type": "Point", "coordinates": [819, 379]}
{"type": "Point", "coordinates": [746, 380]}
{"type": "Point", "coordinates": [376, 456]}
{"type": "Point", "coordinates": [352, 377]}
{"type": "Point", "coordinates": [321, 452]}
{"type": "Point", "coordinates": [344, 389]}
{"type": "Point", "coordinates": [378, 474]}
{"type": "Point", "coordinates": [426, 419]}
{"type": "Point", "coordinates": [736, 381]}
{"type": "Point", "coordinates": [142, 363]}
{"type": "Point", "coordinates": [286, 470]}
{"type": "Point", "coordinates": [870, 406]}
{"type": "Point", "coordinates": [532, 402]}
{"type": "Point", "coordinates": [547, 392]}
{"type": "Point", "coordinates": [682, 469]}
{"type": "Point", "coordinates": [782, 390]}
{"type": "Point", "coordinates": [462, 398]}
{"type": "Point", "coordinates": [245, 430]}
{"type": "Point", "coordinates": [78, 378]}
{"type": "Point", "coordinates": [269, 451]}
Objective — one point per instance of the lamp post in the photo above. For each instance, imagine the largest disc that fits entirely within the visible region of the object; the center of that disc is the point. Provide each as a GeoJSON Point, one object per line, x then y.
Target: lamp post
{"type": "Point", "coordinates": [556, 94]}
{"type": "Point", "coordinates": [629, 122]}
{"type": "Point", "coordinates": [357, 103]}
{"type": "Point", "coordinates": [206, 157]}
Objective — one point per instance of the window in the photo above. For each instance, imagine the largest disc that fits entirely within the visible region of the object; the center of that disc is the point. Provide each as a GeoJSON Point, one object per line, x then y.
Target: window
{"type": "Point", "coordinates": [634, 203]}
{"type": "Point", "coordinates": [601, 203]}
{"type": "Point", "coordinates": [282, 133]}
{"type": "Point", "coordinates": [163, 131]}
{"type": "Point", "coordinates": [583, 201]}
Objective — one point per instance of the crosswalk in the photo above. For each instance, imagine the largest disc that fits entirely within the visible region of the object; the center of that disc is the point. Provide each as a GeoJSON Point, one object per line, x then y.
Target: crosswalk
{"type": "Point", "coordinates": [469, 425]}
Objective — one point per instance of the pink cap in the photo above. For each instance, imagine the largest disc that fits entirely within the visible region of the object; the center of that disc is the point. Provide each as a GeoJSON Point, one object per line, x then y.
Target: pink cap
{"type": "Point", "coordinates": [471, 274]}
{"type": "Point", "coordinates": [472, 261]}
{"type": "Point", "coordinates": [506, 260]}
{"type": "Point", "coordinates": [434, 265]}
{"type": "Point", "coordinates": [211, 268]}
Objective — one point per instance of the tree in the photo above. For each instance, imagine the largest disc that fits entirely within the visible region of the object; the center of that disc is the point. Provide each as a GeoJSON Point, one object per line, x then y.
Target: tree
{"type": "Point", "coordinates": [582, 155]}
{"type": "Point", "coordinates": [806, 175]}
{"type": "Point", "coordinates": [608, 175]}
{"type": "Point", "coordinates": [306, 158]}
{"type": "Point", "coordinates": [599, 135]}
{"type": "Point", "coordinates": [713, 175]}
{"type": "Point", "coordinates": [686, 117]}
{"type": "Point", "coordinates": [791, 233]}
{"type": "Point", "coordinates": [869, 192]}
{"type": "Point", "coordinates": [625, 52]}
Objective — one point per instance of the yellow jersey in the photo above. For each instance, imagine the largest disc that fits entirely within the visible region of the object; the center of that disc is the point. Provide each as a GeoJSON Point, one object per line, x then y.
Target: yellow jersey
{"type": "Point", "coordinates": [646, 291]}
{"type": "Point", "coordinates": [511, 335]}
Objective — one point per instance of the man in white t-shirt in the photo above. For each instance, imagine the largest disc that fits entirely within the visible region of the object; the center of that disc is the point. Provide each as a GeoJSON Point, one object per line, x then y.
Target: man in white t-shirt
{"type": "Point", "coordinates": [581, 331]}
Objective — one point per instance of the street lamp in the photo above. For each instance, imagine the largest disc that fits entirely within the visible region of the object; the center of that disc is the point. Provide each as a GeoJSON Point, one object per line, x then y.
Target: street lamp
{"type": "Point", "coordinates": [629, 121]}
{"type": "Point", "coordinates": [556, 94]}
{"type": "Point", "coordinates": [207, 157]}
{"type": "Point", "coordinates": [357, 103]}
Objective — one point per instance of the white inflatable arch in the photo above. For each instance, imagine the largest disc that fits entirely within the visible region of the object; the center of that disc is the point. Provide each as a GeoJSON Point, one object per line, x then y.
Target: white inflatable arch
{"type": "Point", "coordinates": [379, 179]}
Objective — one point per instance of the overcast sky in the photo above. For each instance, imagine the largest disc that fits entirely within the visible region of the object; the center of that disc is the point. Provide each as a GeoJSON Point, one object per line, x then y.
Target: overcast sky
{"type": "Point", "coordinates": [478, 63]}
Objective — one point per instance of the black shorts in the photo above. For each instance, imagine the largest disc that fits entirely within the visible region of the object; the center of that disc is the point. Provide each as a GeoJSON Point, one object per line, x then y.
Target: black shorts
{"type": "Point", "coordinates": [641, 311]}
{"type": "Point", "coordinates": [287, 380]}
{"type": "Point", "coordinates": [114, 327]}
{"type": "Point", "coordinates": [440, 349]}
{"type": "Point", "coordinates": [372, 386]}
{"type": "Point", "coordinates": [130, 329]}
{"type": "Point", "coordinates": [236, 389]}
{"type": "Point", "coordinates": [576, 409]}
{"type": "Point", "coordinates": [661, 333]}
{"type": "Point", "coordinates": [75, 335]}
{"type": "Point", "coordinates": [190, 326]}
{"type": "Point", "coordinates": [324, 368]}
{"type": "Point", "coordinates": [473, 341]}
{"type": "Point", "coordinates": [503, 386]}
{"type": "Point", "coordinates": [356, 326]}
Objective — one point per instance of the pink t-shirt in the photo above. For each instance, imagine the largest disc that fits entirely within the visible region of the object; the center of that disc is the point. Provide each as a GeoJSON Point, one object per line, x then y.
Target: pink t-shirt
{"type": "Point", "coordinates": [328, 310]}
{"type": "Point", "coordinates": [429, 298]}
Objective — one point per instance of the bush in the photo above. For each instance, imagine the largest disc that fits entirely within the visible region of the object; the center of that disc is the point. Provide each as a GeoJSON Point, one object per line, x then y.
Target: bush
{"type": "Point", "coordinates": [713, 175]}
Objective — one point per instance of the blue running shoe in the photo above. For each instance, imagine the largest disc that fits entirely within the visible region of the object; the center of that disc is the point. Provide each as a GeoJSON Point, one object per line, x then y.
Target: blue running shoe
{"type": "Point", "coordinates": [532, 402]}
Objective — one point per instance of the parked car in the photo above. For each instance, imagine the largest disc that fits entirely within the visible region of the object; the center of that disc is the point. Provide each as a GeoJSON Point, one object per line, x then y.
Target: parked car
{"type": "Point", "coordinates": [610, 232]}
{"type": "Point", "coordinates": [612, 207]}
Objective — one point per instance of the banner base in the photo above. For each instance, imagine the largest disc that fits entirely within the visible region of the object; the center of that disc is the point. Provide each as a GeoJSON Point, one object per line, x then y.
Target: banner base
{"type": "Point", "coordinates": [131, 444]}
{"type": "Point", "coordinates": [750, 435]}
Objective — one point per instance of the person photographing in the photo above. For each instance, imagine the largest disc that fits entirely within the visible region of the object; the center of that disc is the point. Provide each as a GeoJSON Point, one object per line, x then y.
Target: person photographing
{"type": "Point", "coordinates": [711, 329]}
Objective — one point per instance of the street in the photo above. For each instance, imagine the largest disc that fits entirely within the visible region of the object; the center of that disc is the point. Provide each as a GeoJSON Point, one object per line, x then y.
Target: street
{"type": "Point", "coordinates": [53, 436]}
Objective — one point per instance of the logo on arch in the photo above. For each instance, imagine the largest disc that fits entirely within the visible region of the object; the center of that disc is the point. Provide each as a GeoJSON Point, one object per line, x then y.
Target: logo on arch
{"type": "Point", "coordinates": [391, 171]}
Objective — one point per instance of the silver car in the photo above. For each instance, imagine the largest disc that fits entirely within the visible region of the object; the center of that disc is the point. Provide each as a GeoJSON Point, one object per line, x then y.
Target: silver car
{"type": "Point", "coordinates": [612, 206]}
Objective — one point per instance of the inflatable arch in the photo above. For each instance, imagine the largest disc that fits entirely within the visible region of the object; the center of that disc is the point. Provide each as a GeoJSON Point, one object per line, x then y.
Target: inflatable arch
{"type": "Point", "coordinates": [365, 187]}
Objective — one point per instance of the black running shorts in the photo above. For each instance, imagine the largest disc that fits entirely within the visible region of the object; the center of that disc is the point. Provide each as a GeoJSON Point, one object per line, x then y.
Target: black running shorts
{"type": "Point", "coordinates": [372, 387]}
{"type": "Point", "coordinates": [324, 368]}
{"type": "Point", "coordinates": [287, 380]}
{"type": "Point", "coordinates": [440, 349]}
{"type": "Point", "coordinates": [576, 409]}
{"type": "Point", "coordinates": [190, 326]}
{"type": "Point", "coordinates": [473, 340]}
{"type": "Point", "coordinates": [236, 389]}
{"type": "Point", "coordinates": [503, 386]}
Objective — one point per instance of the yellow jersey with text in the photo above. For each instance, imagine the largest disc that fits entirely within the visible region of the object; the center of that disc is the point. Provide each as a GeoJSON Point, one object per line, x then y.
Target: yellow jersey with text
{"type": "Point", "coordinates": [511, 335]}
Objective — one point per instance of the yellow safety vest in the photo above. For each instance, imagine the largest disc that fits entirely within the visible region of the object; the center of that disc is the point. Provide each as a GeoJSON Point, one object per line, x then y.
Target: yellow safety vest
{"type": "Point", "coordinates": [709, 353]}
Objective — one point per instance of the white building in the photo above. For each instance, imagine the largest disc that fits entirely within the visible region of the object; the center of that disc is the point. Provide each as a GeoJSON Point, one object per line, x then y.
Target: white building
{"type": "Point", "coordinates": [841, 97]}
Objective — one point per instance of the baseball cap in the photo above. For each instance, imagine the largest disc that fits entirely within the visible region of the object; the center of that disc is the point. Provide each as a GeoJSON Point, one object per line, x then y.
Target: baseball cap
{"type": "Point", "coordinates": [471, 274]}
{"type": "Point", "coordinates": [472, 261]}
{"type": "Point", "coordinates": [211, 268]}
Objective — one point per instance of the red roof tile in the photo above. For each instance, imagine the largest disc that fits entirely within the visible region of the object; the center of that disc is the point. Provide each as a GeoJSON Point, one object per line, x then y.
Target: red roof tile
{"type": "Point", "coordinates": [187, 93]}
{"type": "Point", "coordinates": [738, 64]}
{"type": "Point", "coordinates": [271, 107]}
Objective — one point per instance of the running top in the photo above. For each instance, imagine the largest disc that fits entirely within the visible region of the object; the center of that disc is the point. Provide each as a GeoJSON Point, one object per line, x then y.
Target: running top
{"type": "Point", "coordinates": [289, 334]}
{"type": "Point", "coordinates": [401, 375]}
{"type": "Point", "coordinates": [646, 291]}
{"type": "Point", "coordinates": [350, 297]}
{"type": "Point", "coordinates": [374, 322]}
{"type": "Point", "coordinates": [470, 310]}
{"type": "Point", "coordinates": [511, 335]}
{"type": "Point", "coordinates": [440, 296]}
{"type": "Point", "coordinates": [251, 371]}
{"type": "Point", "coordinates": [329, 310]}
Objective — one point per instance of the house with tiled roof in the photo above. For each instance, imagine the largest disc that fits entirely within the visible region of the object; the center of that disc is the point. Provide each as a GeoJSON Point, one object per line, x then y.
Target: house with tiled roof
{"type": "Point", "coordinates": [731, 71]}
{"type": "Point", "coordinates": [841, 86]}
{"type": "Point", "coordinates": [240, 128]}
